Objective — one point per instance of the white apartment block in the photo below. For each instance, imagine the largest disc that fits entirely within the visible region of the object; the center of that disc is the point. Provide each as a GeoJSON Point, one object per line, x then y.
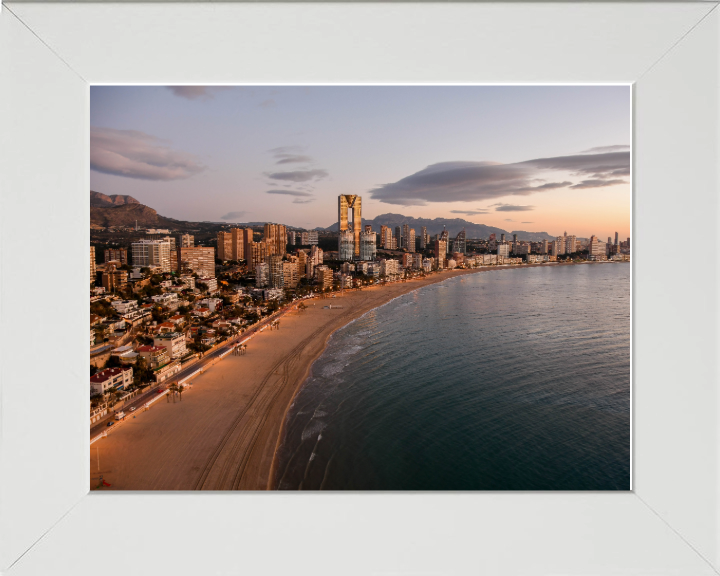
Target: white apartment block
{"type": "Point", "coordinates": [174, 342]}
{"type": "Point", "coordinates": [503, 250]}
{"type": "Point", "coordinates": [124, 306]}
{"type": "Point", "coordinates": [147, 253]}
{"type": "Point", "coordinates": [111, 378]}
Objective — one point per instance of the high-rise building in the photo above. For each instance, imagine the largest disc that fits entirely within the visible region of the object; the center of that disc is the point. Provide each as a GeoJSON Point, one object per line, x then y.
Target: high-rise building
{"type": "Point", "coordinates": [440, 251]}
{"type": "Point", "coordinates": [199, 259]}
{"type": "Point", "coordinates": [445, 236]}
{"type": "Point", "coordinates": [386, 237]}
{"type": "Point", "coordinates": [503, 249]}
{"type": "Point", "coordinates": [492, 237]}
{"type": "Point", "coordinates": [187, 241]}
{"type": "Point", "coordinates": [114, 279]}
{"type": "Point", "coordinates": [291, 238]}
{"type": "Point", "coordinates": [276, 237]}
{"type": "Point", "coordinates": [93, 269]}
{"type": "Point", "coordinates": [398, 237]}
{"type": "Point", "coordinates": [277, 274]}
{"type": "Point", "coordinates": [616, 238]}
{"type": "Point", "coordinates": [315, 259]}
{"type": "Point", "coordinates": [389, 268]}
{"type": "Point", "coordinates": [408, 238]}
{"type": "Point", "coordinates": [560, 249]}
{"type": "Point", "coordinates": [290, 273]}
{"type": "Point", "coordinates": [423, 238]}
{"type": "Point", "coordinates": [302, 258]}
{"type": "Point", "coordinates": [346, 245]}
{"type": "Point", "coordinates": [247, 240]}
{"type": "Point", "coordinates": [609, 240]}
{"type": "Point", "coordinates": [595, 247]}
{"type": "Point", "coordinates": [309, 238]}
{"type": "Point", "coordinates": [151, 253]}
{"type": "Point", "coordinates": [417, 260]}
{"type": "Point", "coordinates": [237, 244]}
{"type": "Point", "coordinates": [224, 246]}
{"type": "Point", "coordinates": [262, 275]}
{"type": "Point", "coordinates": [118, 254]}
{"type": "Point", "coordinates": [460, 242]}
{"type": "Point", "coordinates": [368, 228]}
{"type": "Point", "coordinates": [514, 238]}
{"type": "Point", "coordinates": [502, 238]}
{"type": "Point", "coordinates": [256, 254]}
{"type": "Point", "coordinates": [324, 277]}
{"type": "Point", "coordinates": [571, 244]}
{"type": "Point", "coordinates": [350, 203]}
{"type": "Point", "coordinates": [368, 245]}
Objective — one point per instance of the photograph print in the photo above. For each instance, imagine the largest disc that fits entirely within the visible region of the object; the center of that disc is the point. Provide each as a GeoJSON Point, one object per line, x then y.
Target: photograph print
{"type": "Point", "coordinates": [339, 287]}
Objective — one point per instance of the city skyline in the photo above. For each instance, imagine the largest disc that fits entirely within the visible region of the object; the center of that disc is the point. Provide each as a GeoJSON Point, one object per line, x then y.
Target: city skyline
{"type": "Point", "coordinates": [537, 158]}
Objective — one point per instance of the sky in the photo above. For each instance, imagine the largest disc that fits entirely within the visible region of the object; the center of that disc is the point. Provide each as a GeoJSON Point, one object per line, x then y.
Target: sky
{"type": "Point", "coordinates": [534, 158]}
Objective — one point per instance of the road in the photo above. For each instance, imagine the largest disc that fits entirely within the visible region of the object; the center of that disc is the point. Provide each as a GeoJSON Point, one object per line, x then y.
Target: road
{"type": "Point", "coordinates": [137, 402]}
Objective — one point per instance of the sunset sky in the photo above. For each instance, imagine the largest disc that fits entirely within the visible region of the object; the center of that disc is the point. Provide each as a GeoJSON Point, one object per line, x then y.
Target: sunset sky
{"type": "Point", "coordinates": [534, 158]}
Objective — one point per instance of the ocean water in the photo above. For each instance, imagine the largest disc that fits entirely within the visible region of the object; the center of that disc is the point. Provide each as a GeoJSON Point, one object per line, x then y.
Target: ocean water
{"type": "Point", "coordinates": [514, 379]}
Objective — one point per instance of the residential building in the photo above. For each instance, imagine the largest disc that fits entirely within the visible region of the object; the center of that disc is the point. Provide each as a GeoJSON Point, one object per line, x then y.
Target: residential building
{"type": "Point", "coordinates": [460, 244]}
{"type": "Point", "coordinates": [309, 238]}
{"type": "Point", "coordinates": [247, 240]}
{"type": "Point", "coordinates": [291, 238]}
{"type": "Point", "coordinates": [93, 269]}
{"type": "Point", "coordinates": [262, 275]}
{"type": "Point", "coordinates": [302, 258]}
{"type": "Point", "coordinates": [389, 268]}
{"type": "Point", "coordinates": [167, 299]}
{"type": "Point", "coordinates": [211, 283]}
{"type": "Point", "coordinates": [290, 274]}
{"type": "Point", "coordinates": [386, 237]}
{"type": "Point", "coordinates": [224, 246]}
{"type": "Point", "coordinates": [117, 254]}
{"type": "Point", "coordinates": [427, 264]}
{"type": "Point", "coordinates": [368, 245]}
{"type": "Point", "coordinates": [409, 239]}
{"type": "Point", "coordinates": [503, 249]}
{"type": "Point", "coordinates": [406, 260]}
{"type": "Point", "coordinates": [423, 237]}
{"type": "Point", "coordinates": [237, 244]}
{"type": "Point", "coordinates": [111, 378]}
{"type": "Point", "coordinates": [275, 236]}
{"type": "Point", "coordinates": [417, 261]}
{"type": "Point", "coordinates": [199, 259]}
{"type": "Point", "coordinates": [212, 304]}
{"type": "Point", "coordinates": [440, 251]}
{"type": "Point", "coordinates": [398, 237]}
{"type": "Point", "coordinates": [346, 245]}
{"type": "Point", "coordinates": [350, 204]}
{"type": "Point", "coordinates": [256, 254]}
{"type": "Point", "coordinates": [275, 269]}
{"type": "Point", "coordinates": [571, 245]}
{"type": "Point", "coordinates": [273, 294]}
{"type": "Point", "coordinates": [124, 306]}
{"type": "Point", "coordinates": [324, 277]}
{"type": "Point", "coordinates": [174, 342]}
{"type": "Point", "coordinates": [114, 279]}
{"type": "Point", "coordinates": [147, 253]}
{"type": "Point", "coordinates": [595, 247]}
{"type": "Point", "coordinates": [187, 241]}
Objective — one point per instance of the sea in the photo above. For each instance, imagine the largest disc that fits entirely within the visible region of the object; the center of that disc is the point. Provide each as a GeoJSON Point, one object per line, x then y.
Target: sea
{"type": "Point", "coordinates": [510, 379]}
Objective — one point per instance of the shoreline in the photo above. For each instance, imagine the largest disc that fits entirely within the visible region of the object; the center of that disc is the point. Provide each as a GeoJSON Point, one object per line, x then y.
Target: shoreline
{"type": "Point", "coordinates": [226, 432]}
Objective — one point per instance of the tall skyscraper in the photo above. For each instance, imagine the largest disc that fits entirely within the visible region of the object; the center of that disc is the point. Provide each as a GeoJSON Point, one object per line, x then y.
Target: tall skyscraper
{"type": "Point", "coordinates": [276, 237]}
{"type": "Point", "coordinates": [408, 238]}
{"type": "Point", "coordinates": [441, 250]}
{"type": "Point", "coordinates": [224, 246]}
{"type": "Point", "coordinates": [247, 238]}
{"type": "Point", "coordinates": [353, 204]}
{"type": "Point", "coordinates": [445, 237]}
{"type": "Point", "coordinates": [367, 245]}
{"type": "Point", "coordinates": [571, 244]}
{"type": "Point", "coordinates": [386, 237]}
{"type": "Point", "coordinates": [559, 246]}
{"type": "Point", "coordinates": [237, 244]}
{"type": "Point", "coordinates": [616, 238]}
{"type": "Point", "coordinates": [398, 237]}
{"type": "Point", "coordinates": [423, 237]}
{"type": "Point", "coordinates": [460, 242]}
{"type": "Point", "coordinates": [277, 274]}
{"type": "Point", "coordinates": [257, 252]}
{"type": "Point", "coordinates": [502, 238]}
{"type": "Point", "coordinates": [346, 245]}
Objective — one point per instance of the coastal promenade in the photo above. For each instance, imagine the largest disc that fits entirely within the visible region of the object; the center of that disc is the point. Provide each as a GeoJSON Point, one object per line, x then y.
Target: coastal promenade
{"type": "Point", "coordinates": [223, 434]}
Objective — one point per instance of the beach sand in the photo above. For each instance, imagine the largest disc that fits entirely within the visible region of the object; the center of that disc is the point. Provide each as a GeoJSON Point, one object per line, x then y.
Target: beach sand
{"type": "Point", "coordinates": [223, 434]}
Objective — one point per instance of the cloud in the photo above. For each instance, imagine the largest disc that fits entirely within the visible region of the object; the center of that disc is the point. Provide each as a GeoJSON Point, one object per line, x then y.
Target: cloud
{"type": "Point", "coordinates": [290, 155]}
{"type": "Point", "coordinates": [196, 92]}
{"type": "Point", "coordinates": [234, 215]}
{"type": "Point", "coordinates": [512, 208]}
{"type": "Point", "coordinates": [134, 154]}
{"type": "Point", "coordinates": [601, 149]}
{"type": "Point", "coordinates": [269, 103]}
{"type": "Point", "coordinates": [509, 220]}
{"type": "Point", "coordinates": [464, 181]}
{"type": "Point", "coordinates": [293, 159]}
{"type": "Point", "coordinates": [469, 212]}
{"type": "Point", "coordinates": [298, 201]}
{"type": "Point", "coordinates": [527, 222]}
{"type": "Point", "coordinates": [288, 192]}
{"type": "Point", "coordinates": [596, 184]}
{"type": "Point", "coordinates": [299, 175]}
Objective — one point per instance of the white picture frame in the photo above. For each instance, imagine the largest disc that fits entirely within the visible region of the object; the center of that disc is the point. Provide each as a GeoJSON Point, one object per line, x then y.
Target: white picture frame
{"type": "Point", "coordinates": [51, 524]}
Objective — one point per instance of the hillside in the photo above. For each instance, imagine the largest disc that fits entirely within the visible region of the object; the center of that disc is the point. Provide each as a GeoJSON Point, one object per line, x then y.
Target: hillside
{"type": "Point", "coordinates": [452, 225]}
{"type": "Point", "coordinates": [102, 200]}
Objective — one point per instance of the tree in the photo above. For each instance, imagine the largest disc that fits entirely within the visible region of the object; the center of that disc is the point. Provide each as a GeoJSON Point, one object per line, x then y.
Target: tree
{"type": "Point", "coordinates": [181, 387]}
{"type": "Point", "coordinates": [173, 388]}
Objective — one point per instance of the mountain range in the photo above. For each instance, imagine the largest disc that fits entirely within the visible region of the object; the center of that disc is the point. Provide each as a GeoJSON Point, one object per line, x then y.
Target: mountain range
{"type": "Point", "coordinates": [452, 225]}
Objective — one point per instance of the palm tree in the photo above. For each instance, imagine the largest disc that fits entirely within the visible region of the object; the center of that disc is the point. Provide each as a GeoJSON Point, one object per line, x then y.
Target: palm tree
{"type": "Point", "coordinates": [181, 387]}
{"type": "Point", "coordinates": [173, 388]}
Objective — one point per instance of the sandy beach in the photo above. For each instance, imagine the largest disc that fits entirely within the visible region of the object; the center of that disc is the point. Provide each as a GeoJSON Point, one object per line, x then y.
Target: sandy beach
{"type": "Point", "coordinates": [224, 432]}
